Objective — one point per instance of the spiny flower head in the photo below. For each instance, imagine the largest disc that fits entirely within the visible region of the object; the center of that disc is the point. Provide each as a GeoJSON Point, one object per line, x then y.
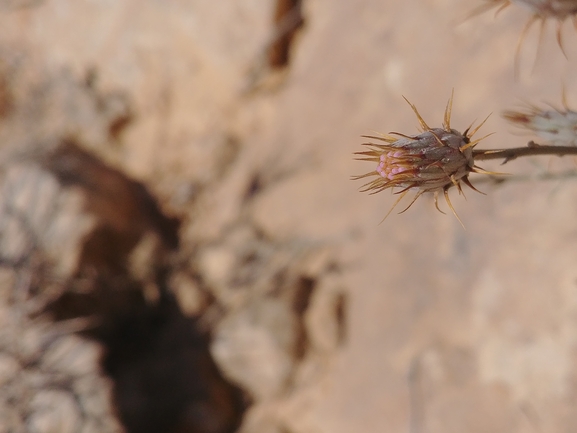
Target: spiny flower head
{"type": "Point", "coordinates": [554, 126]}
{"type": "Point", "coordinates": [428, 160]}
{"type": "Point", "coordinates": [558, 9]}
{"type": "Point", "coordinates": [433, 161]}
{"type": "Point", "coordinates": [542, 10]}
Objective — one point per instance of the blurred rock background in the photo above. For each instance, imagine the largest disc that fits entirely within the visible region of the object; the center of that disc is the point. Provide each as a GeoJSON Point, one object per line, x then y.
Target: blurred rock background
{"type": "Point", "coordinates": [181, 248]}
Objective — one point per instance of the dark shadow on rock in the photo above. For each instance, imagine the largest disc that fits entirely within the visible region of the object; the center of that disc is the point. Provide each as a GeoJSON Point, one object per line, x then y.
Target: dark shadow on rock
{"type": "Point", "coordinates": [164, 377]}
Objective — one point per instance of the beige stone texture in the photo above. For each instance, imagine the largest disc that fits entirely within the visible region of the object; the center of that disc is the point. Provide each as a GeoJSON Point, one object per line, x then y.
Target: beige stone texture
{"type": "Point", "coordinates": [414, 325]}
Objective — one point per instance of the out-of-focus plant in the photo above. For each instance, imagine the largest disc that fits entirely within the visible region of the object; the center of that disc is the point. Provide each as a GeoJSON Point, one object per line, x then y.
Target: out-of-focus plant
{"type": "Point", "coordinates": [552, 125]}
{"type": "Point", "coordinates": [542, 11]}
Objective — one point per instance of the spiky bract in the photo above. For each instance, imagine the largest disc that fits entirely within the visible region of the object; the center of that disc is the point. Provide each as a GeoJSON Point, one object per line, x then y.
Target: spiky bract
{"type": "Point", "coordinates": [542, 11]}
{"type": "Point", "coordinates": [555, 126]}
{"type": "Point", "coordinates": [433, 161]}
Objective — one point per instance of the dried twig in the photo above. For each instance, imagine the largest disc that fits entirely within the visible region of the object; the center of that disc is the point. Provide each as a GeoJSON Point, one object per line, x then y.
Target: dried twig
{"type": "Point", "coordinates": [532, 149]}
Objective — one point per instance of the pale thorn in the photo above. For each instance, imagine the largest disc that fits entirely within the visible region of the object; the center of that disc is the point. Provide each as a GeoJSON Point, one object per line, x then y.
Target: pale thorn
{"type": "Point", "coordinates": [436, 198]}
{"type": "Point", "coordinates": [410, 137]}
{"type": "Point", "coordinates": [529, 24]}
{"type": "Point", "coordinates": [479, 170]}
{"type": "Point", "coordinates": [560, 38]}
{"type": "Point", "coordinates": [461, 192]}
{"type": "Point", "coordinates": [437, 138]}
{"type": "Point", "coordinates": [454, 181]}
{"type": "Point", "coordinates": [446, 193]}
{"type": "Point", "coordinates": [448, 110]}
{"type": "Point", "coordinates": [475, 142]}
{"type": "Point", "coordinates": [422, 122]}
{"type": "Point", "coordinates": [487, 6]}
{"type": "Point", "coordinates": [412, 201]}
{"type": "Point", "coordinates": [381, 137]}
{"type": "Point", "coordinates": [394, 205]}
{"type": "Point", "coordinates": [503, 6]}
{"type": "Point", "coordinates": [474, 131]}
{"type": "Point", "coordinates": [539, 44]}
{"type": "Point", "coordinates": [467, 182]}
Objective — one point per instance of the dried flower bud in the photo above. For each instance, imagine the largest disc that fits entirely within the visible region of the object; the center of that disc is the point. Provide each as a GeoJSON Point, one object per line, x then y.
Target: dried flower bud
{"type": "Point", "coordinates": [432, 161]}
{"type": "Point", "coordinates": [559, 9]}
{"type": "Point", "coordinates": [557, 127]}
{"type": "Point", "coordinates": [541, 10]}
{"type": "Point", "coordinates": [427, 161]}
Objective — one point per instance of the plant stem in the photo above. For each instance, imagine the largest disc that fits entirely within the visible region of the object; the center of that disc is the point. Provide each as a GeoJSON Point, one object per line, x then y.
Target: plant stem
{"type": "Point", "coordinates": [532, 149]}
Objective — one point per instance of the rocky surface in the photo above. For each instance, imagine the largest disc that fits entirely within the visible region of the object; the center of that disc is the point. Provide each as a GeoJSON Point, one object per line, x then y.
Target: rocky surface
{"type": "Point", "coordinates": [176, 193]}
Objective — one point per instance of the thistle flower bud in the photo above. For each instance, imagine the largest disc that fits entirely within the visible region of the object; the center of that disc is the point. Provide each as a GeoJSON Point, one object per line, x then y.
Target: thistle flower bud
{"type": "Point", "coordinates": [541, 11]}
{"type": "Point", "coordinates": [557, 127]}
{"type": "Point", "coordinates": [428, 161]}
{"type": "Point", "coordinates": [432, 161]}
{"type": "Point", "coordinates": [559, 9]}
